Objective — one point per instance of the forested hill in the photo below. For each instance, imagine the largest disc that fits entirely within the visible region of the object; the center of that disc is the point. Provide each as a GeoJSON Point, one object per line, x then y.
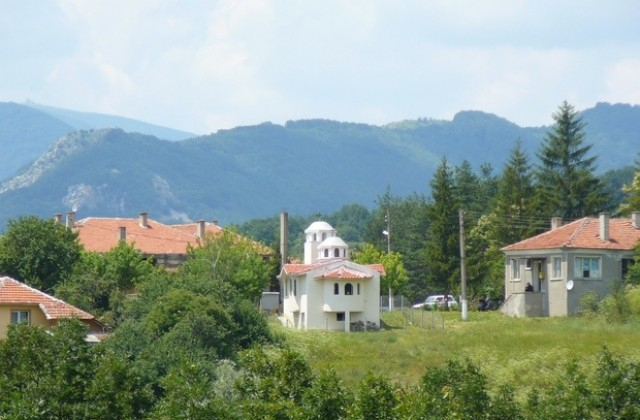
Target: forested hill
{"type": "Point", "coordinates": [28, 130]}
{"type": "Point", "coordinates": [304, 167]}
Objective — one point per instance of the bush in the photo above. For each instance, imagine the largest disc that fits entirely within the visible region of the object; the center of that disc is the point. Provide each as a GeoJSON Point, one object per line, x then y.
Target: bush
{"type": "Point", "coordinates": [589, 303]}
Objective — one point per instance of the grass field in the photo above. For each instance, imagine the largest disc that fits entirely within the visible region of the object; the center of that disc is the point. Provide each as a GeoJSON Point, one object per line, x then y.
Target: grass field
{"type": "Point", "coordinates": [526, 353]}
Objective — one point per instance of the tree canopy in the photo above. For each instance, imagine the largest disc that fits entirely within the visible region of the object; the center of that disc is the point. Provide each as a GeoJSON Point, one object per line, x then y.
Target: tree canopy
{"type": "Point", "coordinates": [39, 252]}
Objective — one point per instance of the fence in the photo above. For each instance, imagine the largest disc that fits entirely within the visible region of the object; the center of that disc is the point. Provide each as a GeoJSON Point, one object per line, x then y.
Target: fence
{"type": "Point", "coordinates": [417, 317]}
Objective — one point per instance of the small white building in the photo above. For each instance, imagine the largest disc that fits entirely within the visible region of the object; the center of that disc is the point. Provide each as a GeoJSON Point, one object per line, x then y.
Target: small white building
{"type": "Point", "coordinates": [328, 291]}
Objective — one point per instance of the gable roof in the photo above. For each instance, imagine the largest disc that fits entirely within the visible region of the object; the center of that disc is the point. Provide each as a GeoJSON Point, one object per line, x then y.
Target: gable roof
{"type": "Point", "coordinates": [343, 269]}
{"type": "Point", "coordinates": [13, 292]}
{"type": "Point", "coordinates": [583, 234]}
{"type": "Point", "coordinates": [103, 234]}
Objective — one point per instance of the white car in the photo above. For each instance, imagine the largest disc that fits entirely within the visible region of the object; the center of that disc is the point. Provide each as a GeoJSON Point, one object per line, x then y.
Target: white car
{"type": "Point", "coordinates": [436, 301]}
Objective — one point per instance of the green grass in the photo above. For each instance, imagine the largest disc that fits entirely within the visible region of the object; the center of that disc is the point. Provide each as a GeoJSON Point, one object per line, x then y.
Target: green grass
{"type": "Point", "coordinates": [526, 353]}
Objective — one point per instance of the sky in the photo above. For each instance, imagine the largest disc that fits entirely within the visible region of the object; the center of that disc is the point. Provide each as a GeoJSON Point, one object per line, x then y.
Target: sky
{"type": "Point", "coordinates": [206, 65]}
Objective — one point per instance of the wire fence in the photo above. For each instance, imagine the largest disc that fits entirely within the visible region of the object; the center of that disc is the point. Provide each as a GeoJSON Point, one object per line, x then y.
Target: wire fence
{"type": "Point", "coordinates": [417, 317]}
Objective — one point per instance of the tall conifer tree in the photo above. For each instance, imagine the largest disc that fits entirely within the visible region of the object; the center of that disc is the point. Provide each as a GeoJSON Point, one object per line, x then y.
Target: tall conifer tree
{"type": "Point", "coordinates": [515, 210]}
{"type": "Point", "coordinates": [570, 189]}
{"type": "Point", "coordinates": [442, 251]}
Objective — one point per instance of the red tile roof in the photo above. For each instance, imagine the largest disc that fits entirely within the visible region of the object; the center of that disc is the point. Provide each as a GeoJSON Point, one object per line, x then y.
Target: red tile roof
{"type": "Point", "coordinates": [192, 228]}
{"type": "Point", "coordinates": [103, 234]}
{"type": "Point", "coordinates": [12, 292]}
{"type": "Point", "coordinates": [303, 268]}
{"type": "Point", "coordinates": [583, 234]}
{"type": "Point", "coordinates": [344, 273]}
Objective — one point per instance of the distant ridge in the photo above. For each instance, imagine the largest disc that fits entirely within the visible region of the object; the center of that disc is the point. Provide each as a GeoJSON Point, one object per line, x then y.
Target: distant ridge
{"type": "Point", "coordinates": [92, 121]}
{"type": "Point", "coordinates": [305, 166]}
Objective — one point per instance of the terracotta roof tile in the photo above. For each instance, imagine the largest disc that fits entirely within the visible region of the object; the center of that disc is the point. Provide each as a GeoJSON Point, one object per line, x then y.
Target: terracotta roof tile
{"type": "Point", "coordinates": [583, 234]}
{"type": "Point", "coordinates": [344, 273]}
{"type": "Point", "coordinates": [16, 293]}
{"type": "Point", "coordinates": [103, 234]}
{"type": "Point", "coordinates": [303, 268]}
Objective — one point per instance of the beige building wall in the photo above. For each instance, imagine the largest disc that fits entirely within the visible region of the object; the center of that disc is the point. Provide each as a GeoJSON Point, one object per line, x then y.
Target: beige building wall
{"type": "Point", "coordinates": [36, 317]}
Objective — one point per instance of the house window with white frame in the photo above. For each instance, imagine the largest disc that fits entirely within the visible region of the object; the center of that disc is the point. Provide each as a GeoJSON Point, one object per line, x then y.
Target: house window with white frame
{"type": "Point", "coordinates": [18, 317]}
{"type": "Point", "coordinates": [556, 268]}
{"type": "Point", "coordinates": [515, 269]}
{"type": "Point", "coordinates": [587, 267]}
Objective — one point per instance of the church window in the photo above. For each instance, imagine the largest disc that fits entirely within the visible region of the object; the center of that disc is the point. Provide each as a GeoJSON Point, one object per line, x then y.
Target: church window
{"type": "Point", "coordinates": [348, 289]}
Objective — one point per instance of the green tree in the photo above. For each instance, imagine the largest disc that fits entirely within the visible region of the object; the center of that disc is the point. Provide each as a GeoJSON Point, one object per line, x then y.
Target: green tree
{"type": "Point", "coordinates": [376, 399]}
{"type": "Point", "coordinates": [396, 276]}
{"type": "Point", "coordinates": [631, 201]}
{"type": "Point", "coordinates": [100, 282]}
{"type": "Point", "coordinates": [40, 253]}
{"type": "Point", "coordinates": [234, 260]}
{"type": "Point", "coordinates": [326, 398]}
{"type": "Point", "coordinates": [456, 391]}
{"type": "Point", "coordinates": [515, 213]}
{"type": "Point", "coordinates": [406, 220]}
{"type": "Point", "coordinates": [442, 251]}
{"type": "Point", "coordinates": [565, 173]}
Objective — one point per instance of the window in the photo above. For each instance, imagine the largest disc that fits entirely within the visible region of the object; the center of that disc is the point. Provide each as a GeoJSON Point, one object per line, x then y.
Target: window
{"type": "Point", "coordinates": [18, 317]}
{"type": "Point", "coordinates": [339, 316]}
{"type": "Point", "coordinates": [324, 236]}
{"type": "Point", "coordinates": [326, 253]}
{"type": "Point", "coordinates": [358, 288]}
{"type": "Point", "coordinates": [336, 252]}
{"type": "Point", "coordinates": [556, 269]}
{"type": "Point", "coordinates": [515, 269]}
{"type": "Point", "coordinates": [348, 289]}
{"type": "Point", "coordinates": [295, 287]}
{"type": "Point", "coordinates": [336, 289]}
{"type": "Point", "coordinates": [587, 267]}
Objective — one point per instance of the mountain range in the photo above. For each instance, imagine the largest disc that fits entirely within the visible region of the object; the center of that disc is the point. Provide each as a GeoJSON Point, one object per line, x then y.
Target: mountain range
{"type": "Point", "coordinates": [54, 160]}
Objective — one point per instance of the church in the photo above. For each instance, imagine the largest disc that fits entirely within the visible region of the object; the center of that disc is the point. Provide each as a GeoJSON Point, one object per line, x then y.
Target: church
{"type": "Point", "coordinates": [328, 291]}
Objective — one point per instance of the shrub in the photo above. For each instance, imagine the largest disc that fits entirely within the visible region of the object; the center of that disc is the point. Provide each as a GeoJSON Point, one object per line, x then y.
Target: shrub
{"type": "Point", "coordinates": [589, 304]}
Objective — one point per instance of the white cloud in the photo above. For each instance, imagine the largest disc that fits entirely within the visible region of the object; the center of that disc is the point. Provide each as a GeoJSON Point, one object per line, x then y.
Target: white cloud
{"type": "Point", "coordinates": [623, 81]}
{"type": "Point", "coordinates": [200, 65]}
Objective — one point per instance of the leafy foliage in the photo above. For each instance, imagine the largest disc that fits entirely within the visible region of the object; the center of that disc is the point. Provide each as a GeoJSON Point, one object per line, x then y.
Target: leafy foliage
{"type": "Point", "coordinates": [39, 252]}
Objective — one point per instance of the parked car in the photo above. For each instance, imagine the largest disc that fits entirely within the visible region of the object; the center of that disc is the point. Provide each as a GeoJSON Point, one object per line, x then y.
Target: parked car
{"type": "Point", "coordinates": [436, 302]}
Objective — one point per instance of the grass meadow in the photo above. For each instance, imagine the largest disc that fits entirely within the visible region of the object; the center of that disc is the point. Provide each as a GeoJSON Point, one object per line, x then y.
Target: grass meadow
{"type": "Point", "coordinates": [527, 353]}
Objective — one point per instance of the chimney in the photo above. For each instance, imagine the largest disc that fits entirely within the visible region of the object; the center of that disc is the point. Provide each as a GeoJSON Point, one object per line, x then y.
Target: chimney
{"type": "Point", "coordinates": [635, 219]}
{"type": "Point", "coordinates": [122, 235]}
{"type": "Point", "coordinates": [284, 238]}
{"type": "Point", "coordinates": [143, 220]}
{"type": "Point", "coordinates": [604, 226]}
{"type": "Point", "coordinates": [71, 219]}
{"type": "Point", "coordinates": [214, 222]}
{"type": "Point", "coordinates": [57, 218]}
{"type": "Point", "coordinates": [556, 222]}
{"type": "Point", "coordinates": [201, 228]}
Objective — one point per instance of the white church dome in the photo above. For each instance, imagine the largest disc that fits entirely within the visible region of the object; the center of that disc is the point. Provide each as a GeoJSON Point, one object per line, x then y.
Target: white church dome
{"type": "Point", "coordinates": [332, 242]}
{"type": "Point", "coordinates": [319, 226]}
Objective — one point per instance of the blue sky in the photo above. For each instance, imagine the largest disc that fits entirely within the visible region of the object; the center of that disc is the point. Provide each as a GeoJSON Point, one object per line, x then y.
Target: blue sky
{"type": "Point", "coordinates": [207, 65]}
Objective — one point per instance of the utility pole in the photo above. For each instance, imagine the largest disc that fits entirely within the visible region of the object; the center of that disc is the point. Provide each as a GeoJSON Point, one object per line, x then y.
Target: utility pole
{"type": "Point", "coordinates": [387, 233]}
{"type": "Point", "coordinates": [463, 272]}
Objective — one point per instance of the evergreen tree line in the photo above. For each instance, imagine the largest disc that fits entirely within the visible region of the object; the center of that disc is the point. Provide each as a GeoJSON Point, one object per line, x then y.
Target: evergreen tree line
{"type": "Point", "coordinates": [560, 181]}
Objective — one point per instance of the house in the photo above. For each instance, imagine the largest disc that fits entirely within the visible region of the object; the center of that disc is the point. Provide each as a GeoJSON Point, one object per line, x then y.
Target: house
{"type": "Point", "coordinates": [166, 245]}
{"type": "Point", "coordinates": [546, 275]}
{"type": "Point", "coordinates": [328, 291]}
{"type": "Point", "coordinates": [22, 303]}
